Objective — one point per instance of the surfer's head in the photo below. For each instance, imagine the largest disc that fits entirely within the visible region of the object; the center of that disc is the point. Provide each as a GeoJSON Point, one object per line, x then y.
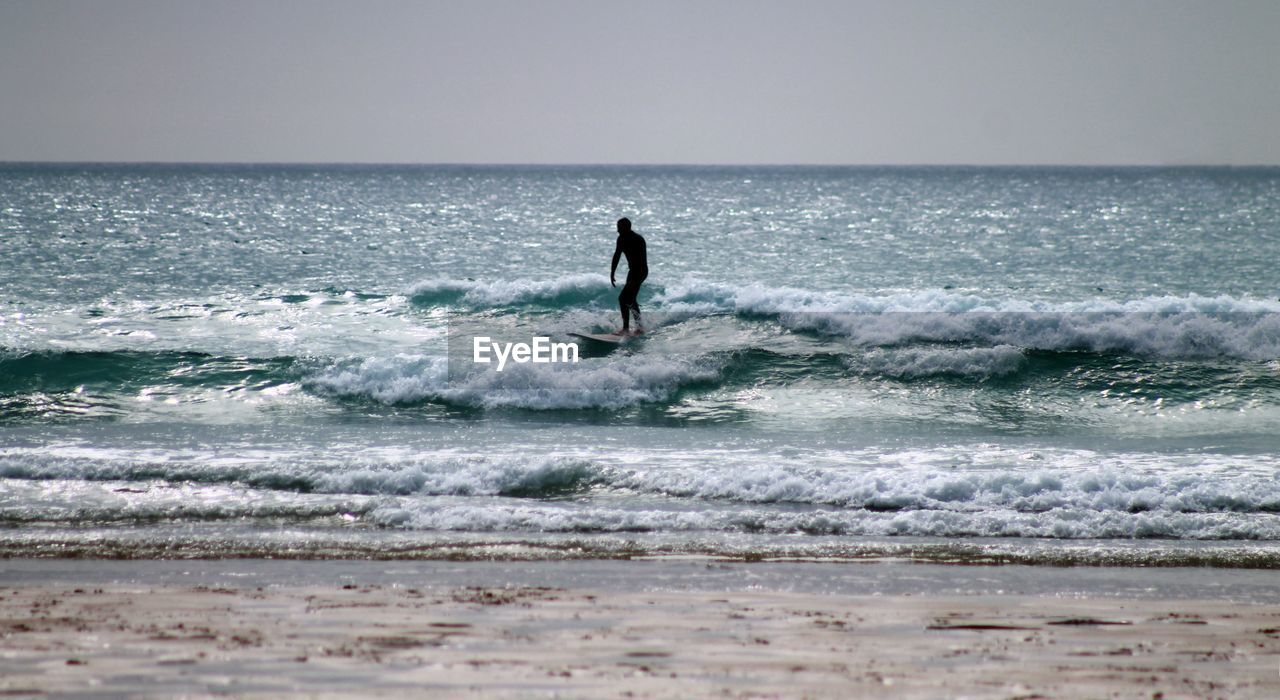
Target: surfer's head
{"type": "Point", "coordinates": [624, 225]}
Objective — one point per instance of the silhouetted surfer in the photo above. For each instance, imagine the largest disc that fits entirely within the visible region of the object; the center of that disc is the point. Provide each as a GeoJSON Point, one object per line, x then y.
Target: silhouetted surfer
{"type": "Point", "coordinates": [630, 244]}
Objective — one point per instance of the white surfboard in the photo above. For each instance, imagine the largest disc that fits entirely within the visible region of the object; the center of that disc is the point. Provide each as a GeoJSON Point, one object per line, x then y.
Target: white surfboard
{"type": "Point", "coordinates": [610, 338]}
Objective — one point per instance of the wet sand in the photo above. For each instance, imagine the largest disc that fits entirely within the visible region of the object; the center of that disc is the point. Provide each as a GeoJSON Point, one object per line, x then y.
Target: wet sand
{"type": "Point", "coordinates": [394, 640]}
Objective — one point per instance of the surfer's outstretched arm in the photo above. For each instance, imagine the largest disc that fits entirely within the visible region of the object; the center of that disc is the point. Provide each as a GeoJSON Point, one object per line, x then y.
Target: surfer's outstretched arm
{"type": "Point", "coordinates": [617, 255]}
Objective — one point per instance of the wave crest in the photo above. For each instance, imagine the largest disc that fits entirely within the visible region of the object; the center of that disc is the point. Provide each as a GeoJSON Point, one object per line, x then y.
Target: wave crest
{"type": "Point", "coordinates": [556, 293]}
{"type": "Point", "coordinates": [1165, 327]}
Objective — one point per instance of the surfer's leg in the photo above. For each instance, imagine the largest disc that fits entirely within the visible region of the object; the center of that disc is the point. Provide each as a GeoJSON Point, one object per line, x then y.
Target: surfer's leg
{"type": "Point", "coordinates": [633, 283]}
{"type": "Point", "coordinates": [635, 308]}
{"type": "Point", "coordinates": [625, 301]}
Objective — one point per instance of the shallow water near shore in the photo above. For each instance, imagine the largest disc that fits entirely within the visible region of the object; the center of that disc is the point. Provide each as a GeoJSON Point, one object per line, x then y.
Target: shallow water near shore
{"type": "Point", "coordinates": [670, 575]}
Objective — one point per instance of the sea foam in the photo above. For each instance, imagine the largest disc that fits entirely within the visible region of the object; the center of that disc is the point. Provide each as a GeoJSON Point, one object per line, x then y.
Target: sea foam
{"type": "Point", "coordinates": [590, 383]}
{"type": "Point", "coordinates": [1169, 327]}
{"type": "Point", "coordinates": [961, 492]}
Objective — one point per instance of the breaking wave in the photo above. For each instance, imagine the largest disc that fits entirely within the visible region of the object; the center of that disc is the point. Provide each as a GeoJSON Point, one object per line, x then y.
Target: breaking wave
{"type": "Point", "coordinates": [592, 383]}
{"type": "Point", "coordinates": [1058, 495]}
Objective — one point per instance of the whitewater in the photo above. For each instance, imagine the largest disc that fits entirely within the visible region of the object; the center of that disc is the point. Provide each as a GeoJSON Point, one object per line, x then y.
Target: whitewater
{"type": "Point", "coordinates": [1044, 365]}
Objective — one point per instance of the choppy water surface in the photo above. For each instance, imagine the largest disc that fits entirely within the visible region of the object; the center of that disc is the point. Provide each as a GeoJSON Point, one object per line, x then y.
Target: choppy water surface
{"type": "Point", "coordinates": [1059, 365]}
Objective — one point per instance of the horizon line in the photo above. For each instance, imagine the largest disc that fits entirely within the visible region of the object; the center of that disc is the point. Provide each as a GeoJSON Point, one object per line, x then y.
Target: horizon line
{"type": "Point", "coordinates": [567, 164]}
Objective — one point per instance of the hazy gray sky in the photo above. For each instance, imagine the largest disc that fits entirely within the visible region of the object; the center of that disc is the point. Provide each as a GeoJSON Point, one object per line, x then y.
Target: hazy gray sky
{"type": "Point", "coordinates": [642, 81]}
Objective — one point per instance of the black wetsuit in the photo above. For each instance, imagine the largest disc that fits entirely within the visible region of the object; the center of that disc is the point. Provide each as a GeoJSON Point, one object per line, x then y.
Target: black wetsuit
{"type": "Point", "coordinates": [631, 244]}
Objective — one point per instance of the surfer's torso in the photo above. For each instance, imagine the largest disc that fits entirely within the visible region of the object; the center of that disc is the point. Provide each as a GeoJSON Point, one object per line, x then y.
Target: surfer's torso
{"type": "Point", "coordinates": [632, 246]}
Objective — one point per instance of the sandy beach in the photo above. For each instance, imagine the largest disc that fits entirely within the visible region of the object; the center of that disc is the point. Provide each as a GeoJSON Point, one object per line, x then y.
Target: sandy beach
{"type": "Point", "coordinates": [390, 639]}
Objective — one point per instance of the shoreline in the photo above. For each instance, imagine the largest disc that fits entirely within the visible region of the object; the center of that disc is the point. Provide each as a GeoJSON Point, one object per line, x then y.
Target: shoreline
{"type": "Point", "coordinates": [258, 628]}
{"type": "Point", "coordinates": [883, 577]}
{"type": "Point", "coordinates": [222, 541]}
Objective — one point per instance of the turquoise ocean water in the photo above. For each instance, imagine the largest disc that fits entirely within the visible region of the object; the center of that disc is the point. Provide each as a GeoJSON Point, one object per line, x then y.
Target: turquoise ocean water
{"type": "Point", "coordinates": [961, 364]}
